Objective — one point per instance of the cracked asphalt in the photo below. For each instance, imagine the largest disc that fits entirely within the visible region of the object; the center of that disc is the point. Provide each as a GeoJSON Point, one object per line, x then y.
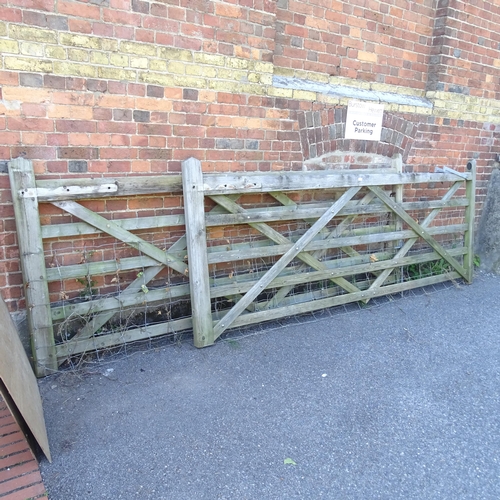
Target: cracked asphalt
{"type": "Point", "coordinates": [400, 400]}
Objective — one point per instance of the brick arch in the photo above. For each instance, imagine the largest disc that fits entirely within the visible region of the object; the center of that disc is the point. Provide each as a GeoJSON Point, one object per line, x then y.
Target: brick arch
{"type": "Point", "coordinates": [323, 131]}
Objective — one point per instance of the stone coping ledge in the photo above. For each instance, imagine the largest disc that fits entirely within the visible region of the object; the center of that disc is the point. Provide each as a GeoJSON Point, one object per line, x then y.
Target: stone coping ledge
{"type": "Point", "coordinates": [344, 91]}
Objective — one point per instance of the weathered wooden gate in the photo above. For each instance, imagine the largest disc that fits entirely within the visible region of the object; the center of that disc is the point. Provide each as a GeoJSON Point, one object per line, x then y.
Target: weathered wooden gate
{"type": "Point", "coordinates": [249, 247]}
{"type": "Point", "coordinates": [347, 260]}
{"type": "Point", "coordinates": [147, 262]}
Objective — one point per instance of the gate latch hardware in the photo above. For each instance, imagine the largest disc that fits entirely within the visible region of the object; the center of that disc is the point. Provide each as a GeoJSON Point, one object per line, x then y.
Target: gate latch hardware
{"type": "Point", "coordinates": [448, 170]}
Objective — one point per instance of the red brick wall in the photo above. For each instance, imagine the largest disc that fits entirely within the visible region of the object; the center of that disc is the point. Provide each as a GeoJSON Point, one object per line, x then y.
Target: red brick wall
{"type": "Point", "coordinates": [466, 48]}
{"type": "Point", "coordinates": [385, 42]}
{"type": "Point", "coordinates": [117, 87]}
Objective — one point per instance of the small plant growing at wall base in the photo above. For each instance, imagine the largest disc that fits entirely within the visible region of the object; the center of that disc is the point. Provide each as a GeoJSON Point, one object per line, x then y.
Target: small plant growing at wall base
{"type": "Point", "coordinates": [426, 269]}
{"type": "Point", "coordinates": [88, 291]}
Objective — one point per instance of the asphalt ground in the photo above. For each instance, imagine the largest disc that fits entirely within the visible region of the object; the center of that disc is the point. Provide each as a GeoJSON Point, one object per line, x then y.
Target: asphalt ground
{"type": "Point", "coordinates": [397, 400]}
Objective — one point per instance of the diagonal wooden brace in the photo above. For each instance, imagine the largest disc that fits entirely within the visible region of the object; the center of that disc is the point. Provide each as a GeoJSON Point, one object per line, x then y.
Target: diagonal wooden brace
{"type": "Point", "coordinates": [419, 230]}
{"type": "Point", "coordinates": [285, 200]}
{"type": "Point", "coordinates": [122, 234]}
{"type": "Point", "coordinates": [409, 243]}
{"type": "Point", "coordinates": [278, 238]}
{"type": "Point", "coordinates": [293, 252]}
{"type": "Point", "coordinates": [149, 273]}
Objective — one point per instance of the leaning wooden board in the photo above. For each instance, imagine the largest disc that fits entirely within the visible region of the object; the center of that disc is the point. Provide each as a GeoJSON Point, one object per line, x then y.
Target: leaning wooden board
{"type": "Point", "coordinates": [19, 386]}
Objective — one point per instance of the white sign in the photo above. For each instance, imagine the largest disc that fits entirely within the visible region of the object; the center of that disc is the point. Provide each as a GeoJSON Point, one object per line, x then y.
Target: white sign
{"type": "Point", "coordinates": [364, 120]}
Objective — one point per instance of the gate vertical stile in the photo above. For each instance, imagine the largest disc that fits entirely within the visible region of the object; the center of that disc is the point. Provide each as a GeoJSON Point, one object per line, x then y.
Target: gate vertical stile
{"type": "Point", "coordinates": [397, 164]}
{"type": "Point", "coordinates": [470, 193]}
{"type": "Point", "coordinates": [196, 235]}
{"type": "Point", "coordinates": [36, 290]}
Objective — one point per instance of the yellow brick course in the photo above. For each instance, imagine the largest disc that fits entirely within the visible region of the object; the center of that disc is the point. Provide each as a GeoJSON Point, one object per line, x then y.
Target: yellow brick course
{"type": "Point", "coordinates": [139, 62]}
{"type": "Point", "coordinates": [32, 49]}
{"type": "Point", "coordinates": [119, 60]}
{"type": "Point", "coordinates": [80, 41]}
{"type": "Point", "coordinates": [402, 108]}
{"type": "Point", "coordinates": [117, 74]}
{"type": "Point", "coordinates": [284, 71]}
{"type": "Point", "coordinates": [28, 64]}
{"type": "Point", "coordinates": [53, 52]}
{"type": "Point", "coordinates": [223, 86]}
{"type": "Point", "coordinates": [253, 77]}
{"type": "Point", "coordinates": [9, 47]}
{"type": "Point", "coordinates": [277, 92]}
{"type": "Point", "coordinates": [156, 78]}
{"type": "Point", "coordinates": [175, 54]}
{"type": "Point", "coordinates": [19, 32]}
{"type": "Point", "coordinates": [176, 67]}
{"type": "Point", "coordinates": [157, 65]}
{"type": "Point", "coordinates": [305, 95]}
{"type": "Point", "coordinates": [237, 63]}
{"type": "Point", "coordinates": [309, 75]}
{"type": "Point", "coordinates": [250, 88]}
{"type": "Point", "coordinates": [232, 74]}
{"type": "Point", "coordinates": [336, 80]}
{"type": "Point", "coordinates": [211, 59]}
{"type": "Point", "coordinates": [193, 70]}
{"type": "Point", "coordinates": [266, 79]}
{"type": "Point", "coordinates": [78, 55]}
{"type": "Point", "coordinates": [141, 49]}
{"type": "Point", "coordinates": [263, 67]}
{"type": "Point", "coordinates": [99, 58]}
{"type": "Point", "coordinates": [109, 44]}
{"type": "Point", "coordinates": [328, 99]}
{"type": "Point", "coordinates": [452, 105]}
{"type": "Point", "coordinates": [73, 69]}
{"type": "Point", "coordinates": [189, 81]}
{"type": "Point", "coordinates": [69, 54]}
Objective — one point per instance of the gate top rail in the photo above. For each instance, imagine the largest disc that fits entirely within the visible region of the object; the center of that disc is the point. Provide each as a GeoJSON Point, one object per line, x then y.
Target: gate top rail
{"type": "Point", "coordinates": [240, 182]}
{"type": "Point", "coordinates": [103, 187]}
{"type": "Point", "coordinates": [298, 181]}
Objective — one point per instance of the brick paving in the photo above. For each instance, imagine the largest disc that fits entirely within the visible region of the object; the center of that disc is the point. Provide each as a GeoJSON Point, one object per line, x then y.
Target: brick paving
{"type": "Point", "coordinates": [20, 478]}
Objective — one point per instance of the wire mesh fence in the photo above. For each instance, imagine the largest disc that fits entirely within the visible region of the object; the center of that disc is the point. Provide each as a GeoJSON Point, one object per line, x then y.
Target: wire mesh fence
{"type": "Point", "coordinates": [343, 249]}
{"type": "Point", "coordinates": [100, 304]}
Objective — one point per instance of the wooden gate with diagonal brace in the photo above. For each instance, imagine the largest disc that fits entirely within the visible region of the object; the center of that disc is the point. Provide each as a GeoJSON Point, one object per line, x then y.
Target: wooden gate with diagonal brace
{"type": "Point", "coordinates": [47, 318]}
{"type": "Point", "coordinates": [335, 257]}
{"type": "Point", "coordinates": [243, 248]}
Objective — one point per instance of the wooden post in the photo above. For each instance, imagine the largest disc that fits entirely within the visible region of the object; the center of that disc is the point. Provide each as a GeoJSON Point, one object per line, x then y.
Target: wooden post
{"type": "Point", "coordinates": [192, 184]}
{"type": "Point", "coordinates": [29, 235]}
{"type": "Point", "coordinates": [397, 164]}
{"type": "Point", "coordinates": [470, 193]}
